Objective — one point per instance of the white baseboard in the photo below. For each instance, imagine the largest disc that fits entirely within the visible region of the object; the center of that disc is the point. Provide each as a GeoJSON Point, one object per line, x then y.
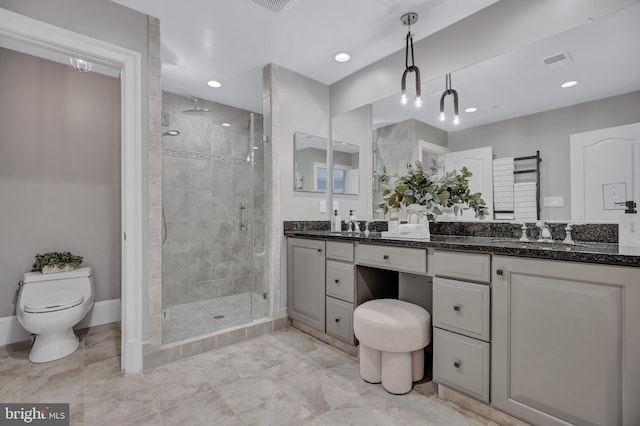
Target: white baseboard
{"type": "Point", "coordinates": [104, 312]}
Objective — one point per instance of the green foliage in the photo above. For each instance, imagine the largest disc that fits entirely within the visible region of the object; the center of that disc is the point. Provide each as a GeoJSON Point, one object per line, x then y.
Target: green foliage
{"type": "Point", "coordinates": [55, 259]}
{"type": "Point", "coordinates": [427, 189]}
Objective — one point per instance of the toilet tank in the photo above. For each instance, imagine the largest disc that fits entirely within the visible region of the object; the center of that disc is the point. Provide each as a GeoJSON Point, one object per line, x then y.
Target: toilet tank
{"type": "Point", "coordinates": [79, 281]}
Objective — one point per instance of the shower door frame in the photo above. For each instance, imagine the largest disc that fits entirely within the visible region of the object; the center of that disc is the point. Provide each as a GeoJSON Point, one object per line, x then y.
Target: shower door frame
{"type": "Point", "coordinates": [51, 38]}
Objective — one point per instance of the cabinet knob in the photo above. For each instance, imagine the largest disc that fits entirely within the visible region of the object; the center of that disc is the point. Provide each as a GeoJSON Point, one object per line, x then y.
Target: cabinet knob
{"type": "Point", "coordinates": [457, 364]}
{"type": "Point", "coordinates": [338, 319]}
{"type": "Point", "coordinates": [457, 308]}
{"type": "Point", "coordinates": [499, 272]}
{"type": "Point", "coordinates": [319, 250]}
{"type": "Point", "coordinates": [385, 257]}
{"type": "Point", "coordinates": [337, 281]}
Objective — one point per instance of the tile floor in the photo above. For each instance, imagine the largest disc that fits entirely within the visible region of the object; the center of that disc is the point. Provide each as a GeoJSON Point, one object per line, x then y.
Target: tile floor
{"type": "Point", "coordinates": [198, 318]}
{"type": "Point", "coordinates": [285, 378]}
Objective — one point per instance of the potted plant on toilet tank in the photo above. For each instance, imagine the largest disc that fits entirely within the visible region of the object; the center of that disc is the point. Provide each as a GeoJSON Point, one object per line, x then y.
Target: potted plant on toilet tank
{"type": "Point", "coordinates": [48, 263]}
{"type": "Point", "coordinates": [431, 192]}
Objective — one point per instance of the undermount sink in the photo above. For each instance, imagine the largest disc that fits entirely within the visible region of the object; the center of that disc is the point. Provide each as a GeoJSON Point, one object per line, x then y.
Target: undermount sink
{"type": "Point", "coordinates": [541, 245]}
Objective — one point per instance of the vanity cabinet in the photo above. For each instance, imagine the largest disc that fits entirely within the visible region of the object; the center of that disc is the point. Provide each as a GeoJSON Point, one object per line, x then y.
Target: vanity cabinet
{"type": "Point", "coordinates": [306, 281]}
{"type": "Point", "coordinates": [340, 290]}
{"type": "Point", "coordinates": [461, 320]}
{"type": "Point", "coordinates": [566, 342]}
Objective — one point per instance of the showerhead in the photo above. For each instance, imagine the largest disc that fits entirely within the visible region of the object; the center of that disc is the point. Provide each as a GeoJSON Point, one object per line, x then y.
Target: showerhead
{"type": "Point", "coordinates": [171, 133]}
{"type": "Point", "coordinates": [196, 110]}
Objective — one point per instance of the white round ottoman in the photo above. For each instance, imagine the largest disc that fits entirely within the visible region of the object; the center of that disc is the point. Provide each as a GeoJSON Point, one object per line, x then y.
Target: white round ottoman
{"type": "Point", "coordinates": [392, 336]}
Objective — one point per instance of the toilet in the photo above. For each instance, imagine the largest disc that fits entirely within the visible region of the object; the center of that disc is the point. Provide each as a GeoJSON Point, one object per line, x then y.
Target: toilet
{"type": "Point", "coordinates": [49, 305]}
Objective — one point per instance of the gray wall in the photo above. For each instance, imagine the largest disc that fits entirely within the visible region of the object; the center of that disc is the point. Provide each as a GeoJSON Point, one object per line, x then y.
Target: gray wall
{"type": "Point", "coordinates": [549, 132]}
{"type": "Point", "coordinates": [303, 107]}
{"type": "Point", "coordinates": [59, 170]}
{"type": "Point", "coordinates": [205, 178]}
{"type": "Point", "coordinates": [118, 25]}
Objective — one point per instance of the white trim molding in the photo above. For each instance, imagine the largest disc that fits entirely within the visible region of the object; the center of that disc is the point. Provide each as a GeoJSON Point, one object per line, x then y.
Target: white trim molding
{"type": "Point", "coordinates": [104, 312]}
{"type": "Point", "coordinates": [40, 34]}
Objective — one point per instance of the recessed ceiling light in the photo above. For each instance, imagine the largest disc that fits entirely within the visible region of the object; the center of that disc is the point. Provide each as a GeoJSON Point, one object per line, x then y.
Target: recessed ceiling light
{"type": "Point", "coordinates": [226, 124]}
{"type": "Point", "coordinates": [342, 57]}
{"type": "Point", "coordinates": [472, 109]}
{"type": "Point", "coordinates": [214, 83]}
{"type": "Point", "coordinates": [568, 84]}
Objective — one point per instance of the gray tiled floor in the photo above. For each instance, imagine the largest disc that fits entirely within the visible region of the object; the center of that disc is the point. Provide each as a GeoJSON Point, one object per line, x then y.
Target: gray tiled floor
{"type": "Point", "coordinates": [286, 378]}
{"type": "Point", "coordinates": [199, 318]}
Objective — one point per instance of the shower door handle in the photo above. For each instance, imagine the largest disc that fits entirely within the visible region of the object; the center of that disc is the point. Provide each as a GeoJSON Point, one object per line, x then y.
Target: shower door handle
{"type": "Point", "coordinates": [243, 223]}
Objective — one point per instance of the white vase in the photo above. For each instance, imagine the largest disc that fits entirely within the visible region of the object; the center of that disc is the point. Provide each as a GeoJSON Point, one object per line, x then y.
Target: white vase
{"type": "Point", "coordinates": [54, 269]}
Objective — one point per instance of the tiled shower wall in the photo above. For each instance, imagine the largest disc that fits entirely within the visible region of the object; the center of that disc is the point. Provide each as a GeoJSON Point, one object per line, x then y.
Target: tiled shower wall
{"type": "Point", "coordinates": [205, 181]}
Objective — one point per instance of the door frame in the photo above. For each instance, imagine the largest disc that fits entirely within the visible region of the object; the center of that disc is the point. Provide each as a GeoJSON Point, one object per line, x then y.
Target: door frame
{"type": "Point", "coordinates": [46, 36]}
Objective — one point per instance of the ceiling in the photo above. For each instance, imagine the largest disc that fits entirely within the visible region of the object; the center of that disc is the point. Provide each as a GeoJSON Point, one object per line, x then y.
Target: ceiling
{"type": "Point", "coordinates": [603, 58]}
{"type": "Point", "coordinates": [231, 41]}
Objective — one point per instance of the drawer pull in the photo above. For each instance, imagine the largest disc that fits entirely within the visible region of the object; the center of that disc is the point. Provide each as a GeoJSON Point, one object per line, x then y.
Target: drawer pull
{"type": "Point", "coordinates": [319, 250]}
{"type": "Point", "coordinates": [385, 257]}
{"type": "Point", "coordinates": [499, 272]}
{"type": "Point", "coordinates": [338, 319]}
{"type": "Point", "coordinates": [457, 308]}
{"type": "Point", "coordinates": [337, 281]}
{"type": "Point", "coordinates": [457, 364]}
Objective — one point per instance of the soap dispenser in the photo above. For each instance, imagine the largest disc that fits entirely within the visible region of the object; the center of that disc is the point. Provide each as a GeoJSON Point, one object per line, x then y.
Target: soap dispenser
{"type": "Point", "coordinates": [629, 227]}
{"type": "Point", "coordinates": [336, 222]}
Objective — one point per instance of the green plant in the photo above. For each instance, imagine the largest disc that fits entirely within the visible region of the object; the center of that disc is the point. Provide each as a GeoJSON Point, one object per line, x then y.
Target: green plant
{"type": "Point", "coordinates": [427, 189]}
{"type": "Point", "coordinates": [56, 259]}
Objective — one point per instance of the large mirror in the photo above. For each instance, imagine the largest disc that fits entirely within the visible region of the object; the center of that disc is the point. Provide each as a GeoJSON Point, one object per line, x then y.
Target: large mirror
{"type": "Point", "coordinates": [516, 104]}
{"type": "Point", "coordinates": [310, 163]}
{"type": "Point", "coordinates": [346, 168]}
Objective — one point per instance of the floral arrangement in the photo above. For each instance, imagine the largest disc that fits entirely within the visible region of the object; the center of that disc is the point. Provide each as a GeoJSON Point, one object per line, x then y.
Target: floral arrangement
{"type": "Point", "coordinates": [451, 190]}
{"type": "Point", "coordinates": [56, 262]}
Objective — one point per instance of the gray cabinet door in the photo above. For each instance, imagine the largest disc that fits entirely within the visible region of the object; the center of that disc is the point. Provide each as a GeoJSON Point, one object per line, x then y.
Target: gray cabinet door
{"type": "Point", "coordinates": [306, 281]}
{"type": "Point", "coordinates": [565, 342]}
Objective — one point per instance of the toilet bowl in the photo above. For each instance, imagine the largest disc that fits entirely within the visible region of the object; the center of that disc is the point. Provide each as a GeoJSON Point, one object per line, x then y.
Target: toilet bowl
{"type": "Point", "coordinates": [49, 305]}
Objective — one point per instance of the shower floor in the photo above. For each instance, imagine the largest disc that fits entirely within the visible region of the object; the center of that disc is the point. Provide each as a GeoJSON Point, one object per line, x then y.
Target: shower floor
{"type": "Point", "coordinates": [198, 318]}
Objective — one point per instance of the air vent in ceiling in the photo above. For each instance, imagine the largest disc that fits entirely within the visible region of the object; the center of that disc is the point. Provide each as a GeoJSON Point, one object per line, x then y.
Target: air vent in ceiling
{"type": "Point", "coordinates": [274, 6]}
{"type": "Point", "coordinates": [558, 60]}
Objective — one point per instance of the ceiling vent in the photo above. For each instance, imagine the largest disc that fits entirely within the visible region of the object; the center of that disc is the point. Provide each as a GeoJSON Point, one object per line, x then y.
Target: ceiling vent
{"type": "Point", "coordinates": [274, 6]}
{"type": "Point", "coordinates": [559, 60]}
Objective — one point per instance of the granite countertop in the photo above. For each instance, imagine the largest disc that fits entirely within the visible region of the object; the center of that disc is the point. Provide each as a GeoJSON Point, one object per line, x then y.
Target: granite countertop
{"type": "Point", "coordinates": [589, 252]}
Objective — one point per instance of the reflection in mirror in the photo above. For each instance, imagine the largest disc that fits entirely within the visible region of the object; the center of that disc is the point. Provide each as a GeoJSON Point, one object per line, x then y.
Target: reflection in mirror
{"type": "Point", "coordinates": [519, 106]}
{"type": "Point", "coordinates": [310, 163]}
{"type": "Point", "coordinates": [346, 169]}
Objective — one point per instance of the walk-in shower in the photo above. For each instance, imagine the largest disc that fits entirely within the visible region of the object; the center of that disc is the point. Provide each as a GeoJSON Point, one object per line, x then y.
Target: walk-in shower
{"type": "Point", "coordinates": [214, 271]}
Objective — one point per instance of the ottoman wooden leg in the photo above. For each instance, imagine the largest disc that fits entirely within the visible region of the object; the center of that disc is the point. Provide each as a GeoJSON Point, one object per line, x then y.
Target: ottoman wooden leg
{"type": "Point", "coordinates": [396, 372]}
{"type": "Point", "coordinates": [417, 365]}
{"type": "Point", "coordinates": [369, 364]}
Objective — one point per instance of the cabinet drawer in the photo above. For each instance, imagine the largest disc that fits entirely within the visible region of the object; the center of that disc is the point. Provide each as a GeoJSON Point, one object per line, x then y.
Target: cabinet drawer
{"type": "Point", "coordinates": [461, 363]}
{"type": "Point", "coordinates": [467, 266]}
{"type": "Point", "coordinates": [462, 307]}
{"type": "Point", "coordinates": [394, 258]}
{"type": "Point", "coordinates": [340, 251]}
{"type": "Point", "coordinates": [340, 319]}
{"type": "Point", "coordinates": [340, 277]}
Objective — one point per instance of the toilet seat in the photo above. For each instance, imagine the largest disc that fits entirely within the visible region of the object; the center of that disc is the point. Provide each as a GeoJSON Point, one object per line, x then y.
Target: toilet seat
{"type": "Point", "coordinates": [50, 301]}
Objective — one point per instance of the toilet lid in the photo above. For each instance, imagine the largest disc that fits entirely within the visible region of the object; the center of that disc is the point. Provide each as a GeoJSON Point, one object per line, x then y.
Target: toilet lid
{"type": "Point", "coordinates": [49, 301]}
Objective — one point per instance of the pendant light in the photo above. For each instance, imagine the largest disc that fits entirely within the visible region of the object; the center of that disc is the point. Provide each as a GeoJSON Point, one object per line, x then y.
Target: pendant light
{"type": "Point", "coordinates": [408, 19]}
{"type": "Point", "coordinates": [449, 91]}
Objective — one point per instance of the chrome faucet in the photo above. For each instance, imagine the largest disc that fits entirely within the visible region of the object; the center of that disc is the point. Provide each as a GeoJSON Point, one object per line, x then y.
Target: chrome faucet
{"type": "Point", "coordinates": [545, 233]}
{"type": "Point", "coordinates": [523, 228]}
{"type": "Point", "coordinates": [568, 239]}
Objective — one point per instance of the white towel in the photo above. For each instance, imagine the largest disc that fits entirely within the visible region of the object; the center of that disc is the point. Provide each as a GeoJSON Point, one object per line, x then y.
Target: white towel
{"type": "Point", "coordinates": [525, 201]}
{"type": "Point", "coordinates": [503, 197]}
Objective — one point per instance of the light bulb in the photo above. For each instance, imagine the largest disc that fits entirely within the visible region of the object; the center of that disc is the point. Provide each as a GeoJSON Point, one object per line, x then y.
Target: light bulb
{"type": "Point", "coordinates": [403, 98]}
{"type": "Point", "coordinates": [456, 119]}
{"type": "Point", "coordinates": [442, 117]}
{"type": "Point", "coordinates": [418, 102]}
